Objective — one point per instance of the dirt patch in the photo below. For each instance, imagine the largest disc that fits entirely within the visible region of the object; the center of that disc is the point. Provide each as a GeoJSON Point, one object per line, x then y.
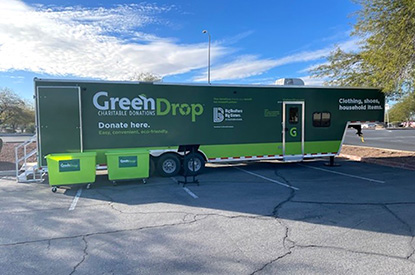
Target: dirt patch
{"type": "Point", "coordinates": [7, 155]}
{"type": "Point", "coordinates": [393, 158]}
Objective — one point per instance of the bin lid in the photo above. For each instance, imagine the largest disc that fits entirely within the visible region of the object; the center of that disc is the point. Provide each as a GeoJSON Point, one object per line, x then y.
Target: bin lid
{"type": "Point", "coordinates": [126, 152]}
{"type": "Point", "coordinates": [71, 155]}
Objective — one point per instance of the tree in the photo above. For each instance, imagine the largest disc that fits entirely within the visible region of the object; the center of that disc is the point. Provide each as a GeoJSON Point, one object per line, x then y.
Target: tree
{"type": "Point", "coordinates": [387, 51]}
{"type": "Point", "coordinates": [22, 118]}
{"type": "Point", "coordinates": [9, 103]}
{"type": "Point", "coordinates": [14, 111]}
{"type": "Point", "coordinates": [404, 109]}
{"type": "Point", "coordinates": [146, 76]}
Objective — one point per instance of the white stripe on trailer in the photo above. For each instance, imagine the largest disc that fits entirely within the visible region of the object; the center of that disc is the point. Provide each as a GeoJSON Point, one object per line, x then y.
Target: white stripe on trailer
{"type": "Point", "coordinates": [270, 157]}
{"type": "Point", "coordinates": [316, 155]}
{"type": "Point", "coordinates": [227, 159]}
{"type": "Point", "coordinates": [359, 122]}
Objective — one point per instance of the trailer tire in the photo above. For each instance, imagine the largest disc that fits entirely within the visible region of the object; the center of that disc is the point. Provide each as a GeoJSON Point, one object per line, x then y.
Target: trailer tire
{"type": "Point", "coordinates": [195, 160]}
{"type": "Point", "coordinates": [168, 165]}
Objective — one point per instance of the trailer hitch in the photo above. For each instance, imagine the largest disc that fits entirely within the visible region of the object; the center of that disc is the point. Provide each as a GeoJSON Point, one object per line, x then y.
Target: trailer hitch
{"type": "Point", "coordinates": [358, 131]}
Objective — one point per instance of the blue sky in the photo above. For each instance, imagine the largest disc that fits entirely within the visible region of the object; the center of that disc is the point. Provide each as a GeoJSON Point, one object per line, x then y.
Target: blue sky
{"type": "Point", "coordinates": [253, 42]}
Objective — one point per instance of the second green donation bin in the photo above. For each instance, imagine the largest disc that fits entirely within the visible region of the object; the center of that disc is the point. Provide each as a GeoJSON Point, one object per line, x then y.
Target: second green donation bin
{"type": "Point", "coordinates": [128, 164]}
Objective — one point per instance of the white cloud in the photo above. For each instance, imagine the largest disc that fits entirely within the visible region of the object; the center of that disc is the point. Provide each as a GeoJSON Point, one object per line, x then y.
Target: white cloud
{"type": "Point", "coordinates": [121, 18]}
{"type": "Point", "coordinates": [312, 67]}
{"type": "Point", "coordinates": [244, 66]}
{"type": "Point", "coordinates": [351, 45]}
{"type": "Point", "coordinates": [311, 81]}
{"type": "Point", "coordinates": [78, 41]}
{"type": "Point", "coordinates": [109, 43]}
{"type": "Point", "coordinates": [251, 65]}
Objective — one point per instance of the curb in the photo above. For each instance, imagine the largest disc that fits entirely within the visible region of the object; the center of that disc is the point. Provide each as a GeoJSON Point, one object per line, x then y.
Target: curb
{"type": "Point", "coordinates": [379, 162]}
{"type": "Point", "coordinates": [377, 148]}
{"type": "Point", "coordinates": [7, 173]}
{"type": "Point", "coordinates": [351, 157]}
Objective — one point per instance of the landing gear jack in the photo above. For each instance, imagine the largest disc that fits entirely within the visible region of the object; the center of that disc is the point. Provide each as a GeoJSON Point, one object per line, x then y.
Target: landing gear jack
{"type": "Point", "coordinates": [331, 163]}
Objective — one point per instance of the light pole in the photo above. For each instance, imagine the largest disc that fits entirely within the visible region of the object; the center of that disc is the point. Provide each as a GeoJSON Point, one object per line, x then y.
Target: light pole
{"type": "Point", "coordinates": [205, 31]}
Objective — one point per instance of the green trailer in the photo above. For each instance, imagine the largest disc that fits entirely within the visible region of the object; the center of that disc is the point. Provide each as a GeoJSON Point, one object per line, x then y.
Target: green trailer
{"type": "Point", "coordinates": [185, 126]}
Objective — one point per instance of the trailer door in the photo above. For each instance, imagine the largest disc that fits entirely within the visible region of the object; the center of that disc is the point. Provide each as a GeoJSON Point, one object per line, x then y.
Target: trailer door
{"type": "Point", "coordinates": [293, 130]}
{"type": "Point", "coordinates": [59, 120]}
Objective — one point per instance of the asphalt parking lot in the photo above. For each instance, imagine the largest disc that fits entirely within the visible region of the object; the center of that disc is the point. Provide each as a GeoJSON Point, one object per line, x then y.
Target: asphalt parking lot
{"type": "Point", "coordinates": [260, 218]}
{"type": "Point", "coordinates": [396, 139]}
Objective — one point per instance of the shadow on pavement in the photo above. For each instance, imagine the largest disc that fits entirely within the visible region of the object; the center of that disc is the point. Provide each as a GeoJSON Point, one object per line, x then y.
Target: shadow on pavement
{"type": "Point", "coordinates": [333, 196]}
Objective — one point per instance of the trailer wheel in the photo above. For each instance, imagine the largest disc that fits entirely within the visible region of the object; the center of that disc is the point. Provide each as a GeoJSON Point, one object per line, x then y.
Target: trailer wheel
{"type": "Point", "coordinates": [54, 189]}
{"type": "Point", "coordinates": [193, 164]}
{"type": "Point", "coordinates": [168, 165]}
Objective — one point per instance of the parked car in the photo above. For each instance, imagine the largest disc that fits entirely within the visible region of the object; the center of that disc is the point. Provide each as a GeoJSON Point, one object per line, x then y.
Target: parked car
{"type": "Point", "coordinates": [408, 124]}
{"type": "Point", "coordinates": [368, 125]}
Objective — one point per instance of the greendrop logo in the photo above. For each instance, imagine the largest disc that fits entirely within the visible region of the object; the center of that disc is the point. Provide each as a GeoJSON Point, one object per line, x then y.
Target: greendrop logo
{"type": "Point", "coordinates": [68, 165]}
{"type": "Point", "coordinates": [150, 106]}
{"type": "Point", "coordinates": [293, 132]}
{"type": "Point", "coordinates": [128, 161]}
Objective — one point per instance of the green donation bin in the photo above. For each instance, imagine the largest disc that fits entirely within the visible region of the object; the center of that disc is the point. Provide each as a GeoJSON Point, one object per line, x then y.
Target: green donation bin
{"type": "Point", "coordinates": [71, 168]}
{"type": "Point", "coordinates": [128, 164]}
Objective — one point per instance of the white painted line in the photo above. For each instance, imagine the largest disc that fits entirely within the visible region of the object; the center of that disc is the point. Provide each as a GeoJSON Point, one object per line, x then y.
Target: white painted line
{"type": "Point", "coordinates": [186, 189]}
{"type": "Point", "coordinates": [343, 174]}
{"type": "Point", "coordinates": [75, 200]}
{"type": "Point", "coordinates": [190, 193]}
{"type": "Point", "coordinates": [268, 179]}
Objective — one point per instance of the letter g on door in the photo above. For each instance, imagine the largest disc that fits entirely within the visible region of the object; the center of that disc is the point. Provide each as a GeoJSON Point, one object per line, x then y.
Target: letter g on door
{"type": "Point", "coordinates": [293, 131]}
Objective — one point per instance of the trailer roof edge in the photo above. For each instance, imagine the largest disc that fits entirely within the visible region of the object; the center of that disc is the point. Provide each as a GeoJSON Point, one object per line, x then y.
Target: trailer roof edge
{"type": "Point", "coordinates": [197, 84]}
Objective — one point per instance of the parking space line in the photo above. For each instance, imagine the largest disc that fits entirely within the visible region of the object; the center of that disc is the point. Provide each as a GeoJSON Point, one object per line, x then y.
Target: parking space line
{"type": "Point", "coordinates": [190, 193]}
{"type": "Point", "coordinates": [193, 195]}
{"type": "Point", "coordinates": [75, 200]}
{"type": "Point", "coordinates": [268, 179]}
{"type": "Point", "coordinates": [343, 174]}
